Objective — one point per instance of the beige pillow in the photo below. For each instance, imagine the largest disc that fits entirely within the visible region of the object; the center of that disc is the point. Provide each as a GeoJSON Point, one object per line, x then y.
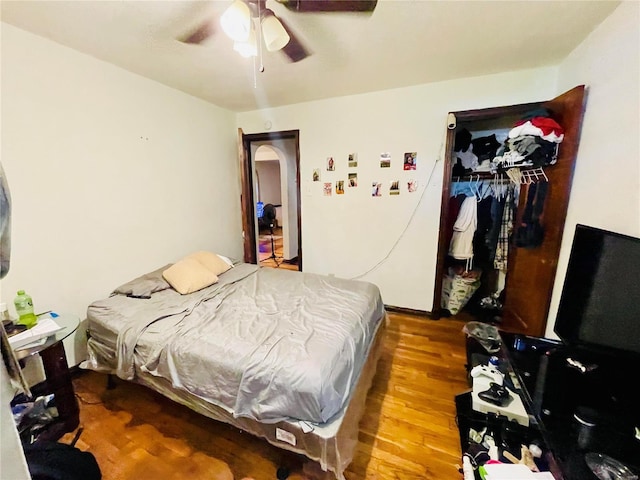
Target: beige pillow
{"type": "Point", "coordinates": [211, 261]}
{"type": "Point", "coordinates": [188, 276]}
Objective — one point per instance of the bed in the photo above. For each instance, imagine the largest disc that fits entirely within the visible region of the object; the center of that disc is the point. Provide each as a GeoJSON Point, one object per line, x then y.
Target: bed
{"type": "Point", "coordinates": [287, 356]}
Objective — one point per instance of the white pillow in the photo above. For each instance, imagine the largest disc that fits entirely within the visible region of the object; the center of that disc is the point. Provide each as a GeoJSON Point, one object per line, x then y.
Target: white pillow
{"type": "Point", "coordinates": [226, 259]}
{"type": "Point", "coordinates": [210, 261]}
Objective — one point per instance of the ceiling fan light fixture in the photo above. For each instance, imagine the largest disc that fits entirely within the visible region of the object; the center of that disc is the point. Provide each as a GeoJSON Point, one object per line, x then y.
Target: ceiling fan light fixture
{"type": "Point", "coordinates": [249, 48]}
{"type": "Point", "coordinates": [275, 36]}
{"type": "Point", "coordinates": [236, 21]}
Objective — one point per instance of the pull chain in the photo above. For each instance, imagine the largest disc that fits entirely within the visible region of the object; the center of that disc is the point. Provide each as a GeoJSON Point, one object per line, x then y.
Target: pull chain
{"type": "Point", "coordinates": [259, 37]}
{"type": "Point", "coordinates": [255, 76]}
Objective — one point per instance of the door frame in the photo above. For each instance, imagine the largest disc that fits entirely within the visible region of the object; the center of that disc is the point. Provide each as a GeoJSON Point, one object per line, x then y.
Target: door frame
{"type": "Point", "coordinates": [525, 314]}
{"type": "Point", "coordinates": [461, 117]}
{"type": "Point", "coordinates": [247, 199]}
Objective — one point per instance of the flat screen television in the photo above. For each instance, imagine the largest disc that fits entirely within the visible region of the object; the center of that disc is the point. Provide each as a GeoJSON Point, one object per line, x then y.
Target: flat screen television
{"type": "Point", "coordinates": [600, 303]}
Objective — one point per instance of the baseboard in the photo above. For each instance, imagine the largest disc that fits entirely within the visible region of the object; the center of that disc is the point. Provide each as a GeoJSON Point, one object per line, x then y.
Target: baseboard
{"type": "Point", "coordinates": [408, 311]}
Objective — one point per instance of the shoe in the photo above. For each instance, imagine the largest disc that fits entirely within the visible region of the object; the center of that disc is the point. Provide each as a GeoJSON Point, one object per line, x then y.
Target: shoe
{"type": "Point", "coordinates": [497, 395]}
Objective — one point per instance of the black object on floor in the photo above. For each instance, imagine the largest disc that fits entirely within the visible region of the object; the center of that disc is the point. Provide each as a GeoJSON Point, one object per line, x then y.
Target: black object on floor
{"type": "Point", "coordinates": [60, 461]}
{"type": "Point", "coordinates": [282, 473]}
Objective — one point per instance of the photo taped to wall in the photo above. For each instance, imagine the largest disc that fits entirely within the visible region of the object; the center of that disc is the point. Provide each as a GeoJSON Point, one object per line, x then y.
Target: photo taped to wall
{"type": "Point", "coordinates": [385, 160]}
{"type": "Point", "coordinates": [353, 179]}
{"type": "Point", "coordinates": [331, 164]}
{"type": "Point", "coordinates": [410, 159]}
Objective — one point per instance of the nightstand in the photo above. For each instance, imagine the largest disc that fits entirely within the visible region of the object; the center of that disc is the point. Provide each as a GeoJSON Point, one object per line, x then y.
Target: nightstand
{"type": "Point", "coordinates": [58, 378]}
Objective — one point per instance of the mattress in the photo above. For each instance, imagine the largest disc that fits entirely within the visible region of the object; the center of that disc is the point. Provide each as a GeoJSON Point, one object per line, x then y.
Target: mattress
{"type": "Point", "coordinates": [285, 355]}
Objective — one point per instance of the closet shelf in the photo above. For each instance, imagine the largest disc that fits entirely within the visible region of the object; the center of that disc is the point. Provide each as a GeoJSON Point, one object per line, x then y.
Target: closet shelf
{"type": "Point", "coordinates": [531, 175]}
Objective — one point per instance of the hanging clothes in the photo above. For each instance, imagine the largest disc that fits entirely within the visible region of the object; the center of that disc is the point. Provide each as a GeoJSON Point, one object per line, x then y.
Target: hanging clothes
{"type": "Point", "coordinates": [461, 247]}
{"type": "Point", "coordinates": [473, 188]}
{"type": "Point", "coordinates": [530, 233]}
{"type": "Point", "coordinates": [504, 236]}
{"type": "Point", "coordinates": [491, 238]}
{"type": "Point", "coordinates": [481, 250]}
{"type": "Point", "coordinates": [455, 202]}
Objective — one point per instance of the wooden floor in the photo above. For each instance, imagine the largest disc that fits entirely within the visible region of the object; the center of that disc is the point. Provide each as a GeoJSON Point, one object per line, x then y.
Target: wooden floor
{"type": "Point", "coordinates": [408, 430]}
{"type": "Point", "coordinates": [265, 254]}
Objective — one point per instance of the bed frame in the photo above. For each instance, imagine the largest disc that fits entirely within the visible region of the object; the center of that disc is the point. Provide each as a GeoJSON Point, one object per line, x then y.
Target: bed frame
{"type": "Point", "coordinates": [332, 444]}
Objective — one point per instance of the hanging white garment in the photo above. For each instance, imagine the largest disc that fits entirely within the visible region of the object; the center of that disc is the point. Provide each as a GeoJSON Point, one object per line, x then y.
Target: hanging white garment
{"type": "Point", "coordinates": [461, 246]}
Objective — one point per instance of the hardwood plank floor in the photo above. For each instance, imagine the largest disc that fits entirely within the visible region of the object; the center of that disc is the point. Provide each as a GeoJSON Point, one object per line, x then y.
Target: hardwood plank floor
{"type": "Point", "coordinates": [408, 430]}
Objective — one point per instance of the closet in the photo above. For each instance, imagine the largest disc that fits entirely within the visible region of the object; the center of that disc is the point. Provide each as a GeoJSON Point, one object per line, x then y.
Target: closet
{"type": "Point", "coordinates": [507, 273]}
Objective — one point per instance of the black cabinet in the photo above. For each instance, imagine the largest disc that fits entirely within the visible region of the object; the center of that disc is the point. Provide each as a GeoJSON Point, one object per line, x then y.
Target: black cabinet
{"type": "Point", "coordinates": [578, 402]}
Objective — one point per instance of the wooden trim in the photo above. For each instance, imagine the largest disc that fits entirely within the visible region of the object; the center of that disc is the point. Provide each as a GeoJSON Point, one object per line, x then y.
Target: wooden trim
{"type": "Point", "coordinates": [444, 214]}
{"type": "Point", "coordinates": [462, 117]}
{"type": "Point", "coordinates": [406, 311]}
{"type": "Point", "coordinates": [494, 112]}
{"type": "Point", "coordinates": [247, 198]}
{"type": "Point", "coordinates": [299, 212]}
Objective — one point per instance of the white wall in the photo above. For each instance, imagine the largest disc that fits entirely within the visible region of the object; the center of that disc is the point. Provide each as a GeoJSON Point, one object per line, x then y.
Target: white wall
{"type": "Point", "coordinates": [111, 175]}
{"type": "Point", "coordinates": [390, 241]}
{"type": "Point", "coordinates": [287, 149]}
{"type": "Point", "coordinates": [268, 176]}
{"type": "Point", "coordinates": [606, 182]}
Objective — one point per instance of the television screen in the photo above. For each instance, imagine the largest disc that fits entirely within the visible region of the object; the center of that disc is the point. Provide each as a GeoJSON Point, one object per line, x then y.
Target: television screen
{"type": "Point", "coordinates": [599, 306]}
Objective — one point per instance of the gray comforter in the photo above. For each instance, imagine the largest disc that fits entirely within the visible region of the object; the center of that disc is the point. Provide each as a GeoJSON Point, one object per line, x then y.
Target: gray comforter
{"type": "Point", "coordinates": [263, 343]}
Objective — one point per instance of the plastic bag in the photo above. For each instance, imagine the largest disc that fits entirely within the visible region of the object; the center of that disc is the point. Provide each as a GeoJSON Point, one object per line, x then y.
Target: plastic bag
{"type": "Point", "coordinates": [487, 335]}
{"type": "Point", "coordinates": [457, 290]}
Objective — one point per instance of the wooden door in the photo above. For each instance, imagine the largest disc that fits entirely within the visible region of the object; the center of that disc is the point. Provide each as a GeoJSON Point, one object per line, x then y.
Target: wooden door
{"type": "Point", "coordinates": [247, 199]}
{"type": "Point", "coordinates": [531, 272]}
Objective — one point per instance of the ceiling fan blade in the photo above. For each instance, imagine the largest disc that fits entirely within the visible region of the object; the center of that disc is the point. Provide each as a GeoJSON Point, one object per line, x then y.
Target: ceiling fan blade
{"type": "Point", "coordinates": [330, 5]}
{"type": "Point", "coordinates": [294, 49]}
{"type": "Point", "coordinates": [200, 34]}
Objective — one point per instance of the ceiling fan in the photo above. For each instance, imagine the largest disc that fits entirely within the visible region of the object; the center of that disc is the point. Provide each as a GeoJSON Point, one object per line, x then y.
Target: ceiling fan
{"type": "Point", "coordinates": [276, 34]}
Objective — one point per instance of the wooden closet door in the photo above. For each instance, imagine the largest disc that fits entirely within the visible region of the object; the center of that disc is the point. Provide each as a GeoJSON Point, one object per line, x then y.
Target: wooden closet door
{"type": "Point", "coordinates": [466, 117]}
{"type": "Point", "coordinates": [531, 271]}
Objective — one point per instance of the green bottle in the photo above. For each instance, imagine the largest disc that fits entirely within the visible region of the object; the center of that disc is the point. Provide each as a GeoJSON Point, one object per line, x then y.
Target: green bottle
{"type": "Point", "coordinates": [24, 309]}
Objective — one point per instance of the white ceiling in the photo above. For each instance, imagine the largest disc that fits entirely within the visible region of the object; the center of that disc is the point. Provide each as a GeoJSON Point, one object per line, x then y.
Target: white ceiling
{"type": "Point", "coordinates": [403, 43]}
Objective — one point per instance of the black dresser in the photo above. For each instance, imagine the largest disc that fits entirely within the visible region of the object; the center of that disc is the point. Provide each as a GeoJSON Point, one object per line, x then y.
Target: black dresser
{"type": "Point", "coordinates": [578, 402]}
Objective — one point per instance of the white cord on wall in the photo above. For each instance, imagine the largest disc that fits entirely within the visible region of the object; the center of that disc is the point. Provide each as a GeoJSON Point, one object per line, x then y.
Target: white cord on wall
{"type": "Point", "coordinates": [413, 214]}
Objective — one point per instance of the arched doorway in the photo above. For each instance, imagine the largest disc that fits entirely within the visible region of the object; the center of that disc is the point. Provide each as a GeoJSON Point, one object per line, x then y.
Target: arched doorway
{"type": "Point", "coordinates": [264, 158]}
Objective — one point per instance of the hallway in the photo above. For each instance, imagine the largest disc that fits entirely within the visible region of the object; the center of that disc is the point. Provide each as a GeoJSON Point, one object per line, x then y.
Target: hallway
{"type": "Point", "coordinates": [265, 254]}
